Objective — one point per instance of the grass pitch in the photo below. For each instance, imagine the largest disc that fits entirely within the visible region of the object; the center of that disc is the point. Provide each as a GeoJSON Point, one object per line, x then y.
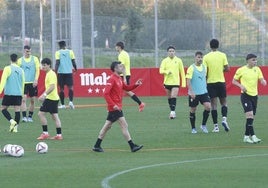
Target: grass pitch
{"type": "Point", "coordinates": [171, 157]}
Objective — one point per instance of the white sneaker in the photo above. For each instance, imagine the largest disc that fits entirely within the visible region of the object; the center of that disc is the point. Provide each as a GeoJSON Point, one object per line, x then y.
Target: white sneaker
{"type": "Point", "coordinates": [247, 140]}
{"type": "Point", "coordinates": [216, 130]}
{"type": "Point", "coordinates": [194, 131]}
{"type": "Point", "coordinates": [71, 105]}
{"type": "Point", "coordinates": [172, 115]}
{"type": "Point", "coordinates": [62, 107]}
{"type": "Point", "coordinates": [255, 139]}
{"type": "Point", "coordinates": [204, 128]}
{"type": "Point", "coordinates": [30, 119]}
{"type": "Point", "coordinates": [225, 125]}
{"type": "Point", "coordinates": [24, 119]}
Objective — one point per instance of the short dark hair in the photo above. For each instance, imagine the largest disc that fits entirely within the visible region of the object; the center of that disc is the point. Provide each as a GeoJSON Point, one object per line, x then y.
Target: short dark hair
{"type": "Point", "coordinates": [214, 44]}
{"type": "Point", "coordinates": [62, 44]}
{"type": "Point", "coordinates": [171, 47]}
{"type": "Point", "coordinates": [198, 53]}
{"type": "Point", "coordinates": [114, 64]}
{"type": "Point", "coordinates": [250, 56]}
{"type": "Point", "coordinates": [14, 57]}
{"type": "Point", "coordinates": [27, 47]}
{"type": "Point", "coordinates": [46, 61]}
{"type": "Point", "coordinates": [120, 44]}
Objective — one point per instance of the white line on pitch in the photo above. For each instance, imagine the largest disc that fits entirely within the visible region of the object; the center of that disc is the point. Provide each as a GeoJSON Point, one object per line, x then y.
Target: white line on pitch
{"type": "Point", "coordinates": [105, 181]}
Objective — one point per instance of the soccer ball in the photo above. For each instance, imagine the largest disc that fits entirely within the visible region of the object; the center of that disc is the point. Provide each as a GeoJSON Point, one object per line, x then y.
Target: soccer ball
{"type": "Point", "coordinates": [7, 149]}
{"type": "Point", "coordinates": [41, 147]}
{"type": "Point", "coordinates": [13, 150]}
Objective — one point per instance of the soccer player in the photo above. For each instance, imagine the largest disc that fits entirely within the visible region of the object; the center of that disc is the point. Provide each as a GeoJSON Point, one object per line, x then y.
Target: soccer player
{"type": "Point", "coordinates": [50, 100]}
{"type": "Point", "coordinates": [113, 95]}
{"type": "Point", "coordinates": [31, 67]}
{"type": "Point", "coordinates": [216, 63]}
{"type": "Point", "coordinates": [65, 62]}
{"type": "Point", "coordinates": [12, 82]}
{"type": "Point", "coordinates": [197, 91]}
{"type": "Point", "coordinates": [174, 77]}
{"type": "Point", "coordinates": [123, 57]}
{"type": "Point", "coordinates": [247, 78]}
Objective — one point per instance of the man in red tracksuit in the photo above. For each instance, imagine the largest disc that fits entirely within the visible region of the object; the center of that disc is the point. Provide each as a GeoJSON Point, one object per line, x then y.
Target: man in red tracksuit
{"type": "Point", "coordinates": [113, 95]}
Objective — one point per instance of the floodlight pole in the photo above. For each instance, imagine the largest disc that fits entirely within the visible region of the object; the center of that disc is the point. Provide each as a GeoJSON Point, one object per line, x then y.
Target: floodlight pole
{"type": "Point", "coordinates": [156, 31]}
{"type": "Point", "coordinates": [53, 29]}
{"type": "Point", "coordinates": [92, 33]}
{"type": "Point", "coordinates": [41, 31]}
{"type": "Point", "coordinates": [23, 22]}
{"type": "Point", "coordinates": [263, 31]}
{"type": "Point", "coordinates": [213, 18]}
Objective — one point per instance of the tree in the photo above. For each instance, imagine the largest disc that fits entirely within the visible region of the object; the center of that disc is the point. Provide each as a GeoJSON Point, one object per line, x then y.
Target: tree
{"type": "Point", "coordinates": [134, 24]}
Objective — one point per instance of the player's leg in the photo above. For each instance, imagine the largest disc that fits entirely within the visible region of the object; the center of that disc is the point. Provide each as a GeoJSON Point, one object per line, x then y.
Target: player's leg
{"type": "Point", "coordinates": [134, 96]}
{"type": "Point", "coordinates": [212, 91]}
{"type": "Point", "coordinates": [205, 101]}
{"type": "Point", "coordinates": [56, 119]}
{"type": "Point", "coordinates": [111, 117]}
{"type": "Point", "coordinates": [224, 109]}
{"type": "Point", "coordinates": [43, 120]}
{"type": "Point", "coordinates": [17, 115]}
{"type": "Point", "coordinates": [24, 103]}
{"type": "Point", "coordinates": [69, 83]}
{"type": "Point", "coordinates": [124, 128]}
{"type": "Point", "coordinates": [173, 101]}
{"type": "Point", "coordinates": [250, 106]}
{"type": "Point", "coordinates": [248, 109]}
{"type": "Point", "coordinates": [192, 117]}
{"type": "Point", "coordinates": [106, 127]}
{"type": "Point", "coordinates": [32, 94]}
{"type": "Point", "coordinates": [6, 102]}
{"type": "Point", "coordinates": [61, 87]}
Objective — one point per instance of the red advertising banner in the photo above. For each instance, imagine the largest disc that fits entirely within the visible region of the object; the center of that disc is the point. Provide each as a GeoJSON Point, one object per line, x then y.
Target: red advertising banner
{"type": "Point", "coordinates": [91, 82]}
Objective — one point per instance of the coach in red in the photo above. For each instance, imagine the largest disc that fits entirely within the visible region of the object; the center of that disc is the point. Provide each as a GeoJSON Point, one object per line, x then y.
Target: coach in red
{"type": "Point", "coordinates": [113, 95]}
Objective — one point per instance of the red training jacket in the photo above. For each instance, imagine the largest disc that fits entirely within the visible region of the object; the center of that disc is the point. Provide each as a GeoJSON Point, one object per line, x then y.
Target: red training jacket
{"type": "Point", "coordinates": [113, 92]}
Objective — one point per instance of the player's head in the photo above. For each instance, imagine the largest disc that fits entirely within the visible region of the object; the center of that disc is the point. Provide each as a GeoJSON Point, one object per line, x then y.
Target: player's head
{"type": "Point", "coordinates": [117, 67]}
{"type": "Point", "coordinates": [27, 50]}
{"type": "Point", "coordinates": [198, 57]}
{"type": "Point", "coordinates": [171, 51]}
{"type": "Point", "coordinates": [251, 60]}
{"type": "Point", "coordinates": [13, 58]}
{"type": "Point", "coordinates": [214, 44]}
{"type": "Point", "coordinates": [119, 46]}
{"type": "Point", "coordinates": [62, 44]}
{"type": "Point", "coordinates": [46, 64]}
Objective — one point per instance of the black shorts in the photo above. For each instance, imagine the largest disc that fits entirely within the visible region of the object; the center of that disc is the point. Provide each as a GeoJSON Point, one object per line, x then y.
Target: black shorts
{"type": "Point", "coordinates": [30, 90]}
{"type": "Point", "coordinates": [217, 90]}
{"type": "Point", "coordinates": [114, 115]}
{"type": "Point", "coordinates": [50, 106]}
{"type": "Point", "coordinates": [11, 100]}
{"type": "Point", "coordinates": [170, 87]}
{"type": "Point", "coordinates": [249, 103]}
{"type": "Point", "coordinates": [65, 79]}
{"type": "Point", "coordinates": [127, 79]}
{"type": "Point", "coordinates": [198, 98]}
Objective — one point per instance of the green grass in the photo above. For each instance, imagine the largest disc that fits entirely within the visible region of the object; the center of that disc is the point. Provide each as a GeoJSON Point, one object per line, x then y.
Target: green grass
{"type": "Point", "coordinates": [196, 159]}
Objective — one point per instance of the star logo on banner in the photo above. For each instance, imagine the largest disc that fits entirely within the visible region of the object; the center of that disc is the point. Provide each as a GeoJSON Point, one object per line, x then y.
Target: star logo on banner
{"type": "Point", "coordinates": [97, 90]}
{"type": "Point", "coordinates": [89, 90]}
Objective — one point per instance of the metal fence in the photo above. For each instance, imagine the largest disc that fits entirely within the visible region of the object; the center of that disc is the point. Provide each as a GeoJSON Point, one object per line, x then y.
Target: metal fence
{"type": "Point", "coordinates": [238, 36]}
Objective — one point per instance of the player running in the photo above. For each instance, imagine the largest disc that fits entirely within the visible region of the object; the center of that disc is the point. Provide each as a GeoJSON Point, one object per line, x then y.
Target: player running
{"type": "Point", "coordinates": [174, 77]}
{"type": "Point", "coordinates": [247, 78]}
{"type": "Point", "coordinates": [197, 91]}
{"type": "Point", "coordinates": [113, 95]}
{"type": "Point", "coordinates": [12, 82]}
{"type": "Point", "coordinates": [216, 63]}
